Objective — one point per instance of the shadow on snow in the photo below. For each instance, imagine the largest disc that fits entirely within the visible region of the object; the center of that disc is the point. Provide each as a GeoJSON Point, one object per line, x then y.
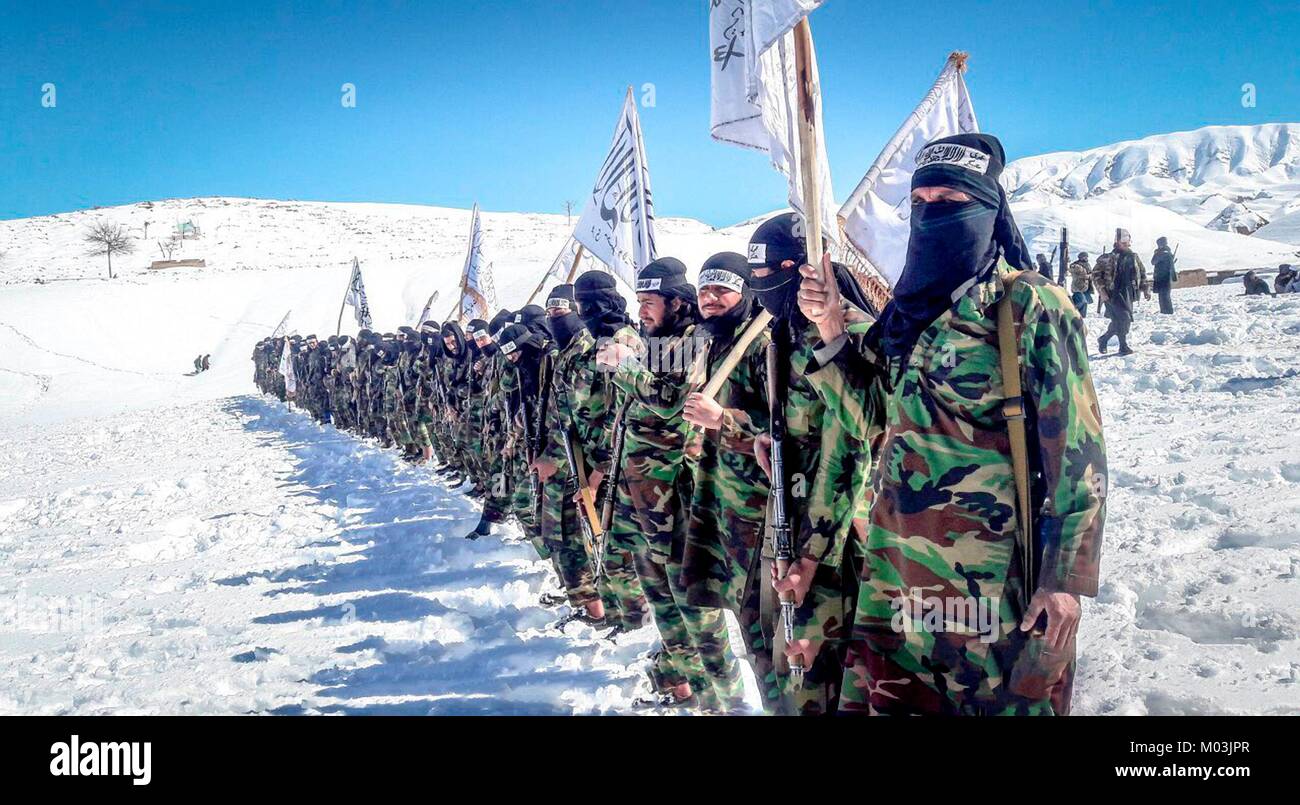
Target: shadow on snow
{"type": "Point", "coordinates": [411, 564]}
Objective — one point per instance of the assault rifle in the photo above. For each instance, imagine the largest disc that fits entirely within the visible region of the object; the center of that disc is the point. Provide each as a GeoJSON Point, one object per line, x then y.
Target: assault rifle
{"type": "Point", "coordinates": [592, 533]}
{"type": "Point", "coordinates": [545, 373]}
{"type": "Point", "coordinates": [615, 464]}
{"type": "Point", "coordinates": [781, 538]}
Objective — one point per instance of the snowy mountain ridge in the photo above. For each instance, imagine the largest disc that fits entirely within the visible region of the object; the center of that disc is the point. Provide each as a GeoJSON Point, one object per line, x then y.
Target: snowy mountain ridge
{"type": "Point", "coordinates": [1251, 171]}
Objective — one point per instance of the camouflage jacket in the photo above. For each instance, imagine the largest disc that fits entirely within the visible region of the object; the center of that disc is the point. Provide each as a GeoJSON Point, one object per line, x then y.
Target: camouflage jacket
{"type": "Point", "coordinates": [943, 485]}
{"type": "Point", "coordinates": [1080, 277]}
{"type": "Point", "coordinates": [579, 405]}
{"type": "Point", "coordinates": [653, 383]}
{"type": "Point", "coordinates": [729, 488]}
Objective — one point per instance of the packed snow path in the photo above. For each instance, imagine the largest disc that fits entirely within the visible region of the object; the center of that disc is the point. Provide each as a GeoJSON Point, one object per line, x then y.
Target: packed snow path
{"type": "Point", "coordinates": [234, 557]}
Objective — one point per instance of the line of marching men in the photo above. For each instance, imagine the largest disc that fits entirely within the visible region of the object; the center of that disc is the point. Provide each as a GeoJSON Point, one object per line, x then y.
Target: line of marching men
{"type": "Point", "coordinates": [876, 445]}
{"type": "Point", "coordinates": [587, 428]}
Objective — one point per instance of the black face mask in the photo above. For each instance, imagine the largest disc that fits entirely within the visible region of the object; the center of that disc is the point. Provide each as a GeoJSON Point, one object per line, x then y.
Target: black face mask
{"type": "Point", "coordinates": [563, 328]}
{"type": "Point", "coordinates": [778, 292]}
{"type": "Point", "coordinates": [951, 243]}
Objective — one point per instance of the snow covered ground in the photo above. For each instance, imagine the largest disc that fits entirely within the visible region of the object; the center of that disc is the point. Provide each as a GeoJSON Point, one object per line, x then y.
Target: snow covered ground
{"type": "Point", "coordinates": [231, 556]}
{"type": "Point", "coordinates": [1199, 611]}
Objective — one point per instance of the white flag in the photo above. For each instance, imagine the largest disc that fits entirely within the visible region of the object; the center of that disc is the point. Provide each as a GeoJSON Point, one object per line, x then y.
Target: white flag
{"type": "Point", "coordinates": [756, 93]}
{"type": "Point", "coordinates": [428, 310]}
{"type": "Point", "coordinates": [617, 226]}
{"type": "Point", "coordinates": [563, 267]}
{"type": "Point", "coordinates": [280, 328]}
{"type": "Point", "coordinates": [286, 368]}
{"type": "Point", "coordinates": [876, 217]}
{"type": "Point", "coordinates": [772, 19]}
{"type": "Point", "coordinates": [356, 296]}
{"type": "Point", "coordinates": [478, 291]}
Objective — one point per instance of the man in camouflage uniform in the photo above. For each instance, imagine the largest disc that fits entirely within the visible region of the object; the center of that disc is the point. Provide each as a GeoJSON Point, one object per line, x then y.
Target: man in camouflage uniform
{"type": "Point", "coordinates": [491, 430]}
{"type": "Point", "coordinates": [523, 349]}
{"type": "Point", "coordinates": [397, 424]}
{"type": "Point", "coordinates": [655, 488]}
{"type": "Point", "coordinates": [521, 383]}
{"type": "Point", "coordinates": [573, 419]}
{"type": "Point", "coordinates": [1128, 281]}
{"type": "Point", "coordinates": [603, 311]}
{"type": "Point", "coordinates": [945, 622]}
{"type": "Point", "coordinates": [721, 563]}
{"type": "Point", "coordinates": [825, 478]}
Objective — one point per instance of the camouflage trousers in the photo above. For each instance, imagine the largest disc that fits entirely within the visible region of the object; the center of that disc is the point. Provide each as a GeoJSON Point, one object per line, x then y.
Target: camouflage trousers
{"type": "Point", "coordinates": [620, 586]}
{"type": "Point", "coordinates": [522, 503]}
{"type": "Point", "coordinates": [399, 427]}
{"type": "Point", "coordinates": [564, 538]}
{"type": "Point", "coordinates": [650, 510]}
{"type": "Point", "coordinates": [497, 473]}
{"type": "Point", "coordinates": [341, 405]}
{"type": "Point", "coordinates": [826, 620]}
{"type": "Point", "coordinates": [694, 638]}
{"type": "Point", "coordinates": [423, 424]}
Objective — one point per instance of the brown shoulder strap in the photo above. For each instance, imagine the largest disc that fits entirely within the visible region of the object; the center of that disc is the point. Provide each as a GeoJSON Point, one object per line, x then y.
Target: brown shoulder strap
{"type": "Point", "coordinates": [1013, 411]}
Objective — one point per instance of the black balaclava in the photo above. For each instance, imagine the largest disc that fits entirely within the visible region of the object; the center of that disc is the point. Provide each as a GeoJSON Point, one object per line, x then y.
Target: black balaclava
{"type": "Point", "coordinates": [475, 325]}
{"type": "Point", "coordinates": [780, 239]}
{"type": "Point", "coordinates": [431, 336]}
{"type": "Point", "coordinates": [562, 328]}
{"type": "Point", "coordinates": [730, 270]}
{"type": "Point", "coordinates": [518, 338]}
{"type": "Point", "coordinates": [952, 243]}
{"type": "Point", "coordinates": [604, 310]}
{"type": "Point", "coordinates": [534, 318]}
{"type": "Point", "coordinates": [777, 240]}
{"type": "Point", "coordinates": [499, 321]}
{"type": "Point", "coordinates": [666, 277]}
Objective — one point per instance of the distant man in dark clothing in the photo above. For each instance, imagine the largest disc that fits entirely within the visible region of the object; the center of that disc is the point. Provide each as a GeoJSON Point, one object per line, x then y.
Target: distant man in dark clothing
{"type": "Point", "coordinates": [1256, 286]}
{"type": "Point", "coordinates": [1044, 267]}
{"type": "Point", "coordinates": [1285, 282]}
{"type": "Point", "coordinates": [1165, 274]}
{"type": "Point", "coordinates": [1126, 285]}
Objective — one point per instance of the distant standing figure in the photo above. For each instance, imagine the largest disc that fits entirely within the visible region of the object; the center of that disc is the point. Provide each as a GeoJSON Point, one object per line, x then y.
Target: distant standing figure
{"type": "Point", "coordinates": [1127, 284]}
{"type": "Point", "coordinates": [1081, 284]}
{"type": "Point", "coordinates": [198, 364]}
{"type": "Point", "coordinates": [1256, 286]}
{"type": "Point", "coordinates": [1044, 267]}
{"type": "Point", "coordinates": [207, 362]}
{"type": "Point", "coordinates": [1165, 274]}
{"type": "Point", "coordinates": [1285, 282]}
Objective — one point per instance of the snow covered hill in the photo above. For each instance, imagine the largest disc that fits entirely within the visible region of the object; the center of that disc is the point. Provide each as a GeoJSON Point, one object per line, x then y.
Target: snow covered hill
{"type": "Point", "coordinates": [1205, 190]}
{"type": "Point", "coordinates": [1194, 173]}
{"type": "Point", "coordinates": [66, 331]}
{"type": "Point", "coordinates": [1285, 229]}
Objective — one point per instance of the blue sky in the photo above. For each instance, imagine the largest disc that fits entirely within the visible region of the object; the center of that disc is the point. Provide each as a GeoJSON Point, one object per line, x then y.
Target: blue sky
{"type": "Point", "coordinates": [512, 103]}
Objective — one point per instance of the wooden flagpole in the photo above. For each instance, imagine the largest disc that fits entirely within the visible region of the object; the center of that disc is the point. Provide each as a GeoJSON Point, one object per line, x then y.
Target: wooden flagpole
{"type": "Point", "coordinates": [809, 91]}
{"type": "Point", "coordinates": [338, 328]}
{"type": "Point", "coordinates": [577, 258]}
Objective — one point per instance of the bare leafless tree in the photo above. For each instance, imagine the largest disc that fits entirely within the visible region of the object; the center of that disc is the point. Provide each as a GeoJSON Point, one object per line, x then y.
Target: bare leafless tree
{"type": "Point", "coordinates": [108, 239]}
{"type": "Point", "coordinates": [568, 212]}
